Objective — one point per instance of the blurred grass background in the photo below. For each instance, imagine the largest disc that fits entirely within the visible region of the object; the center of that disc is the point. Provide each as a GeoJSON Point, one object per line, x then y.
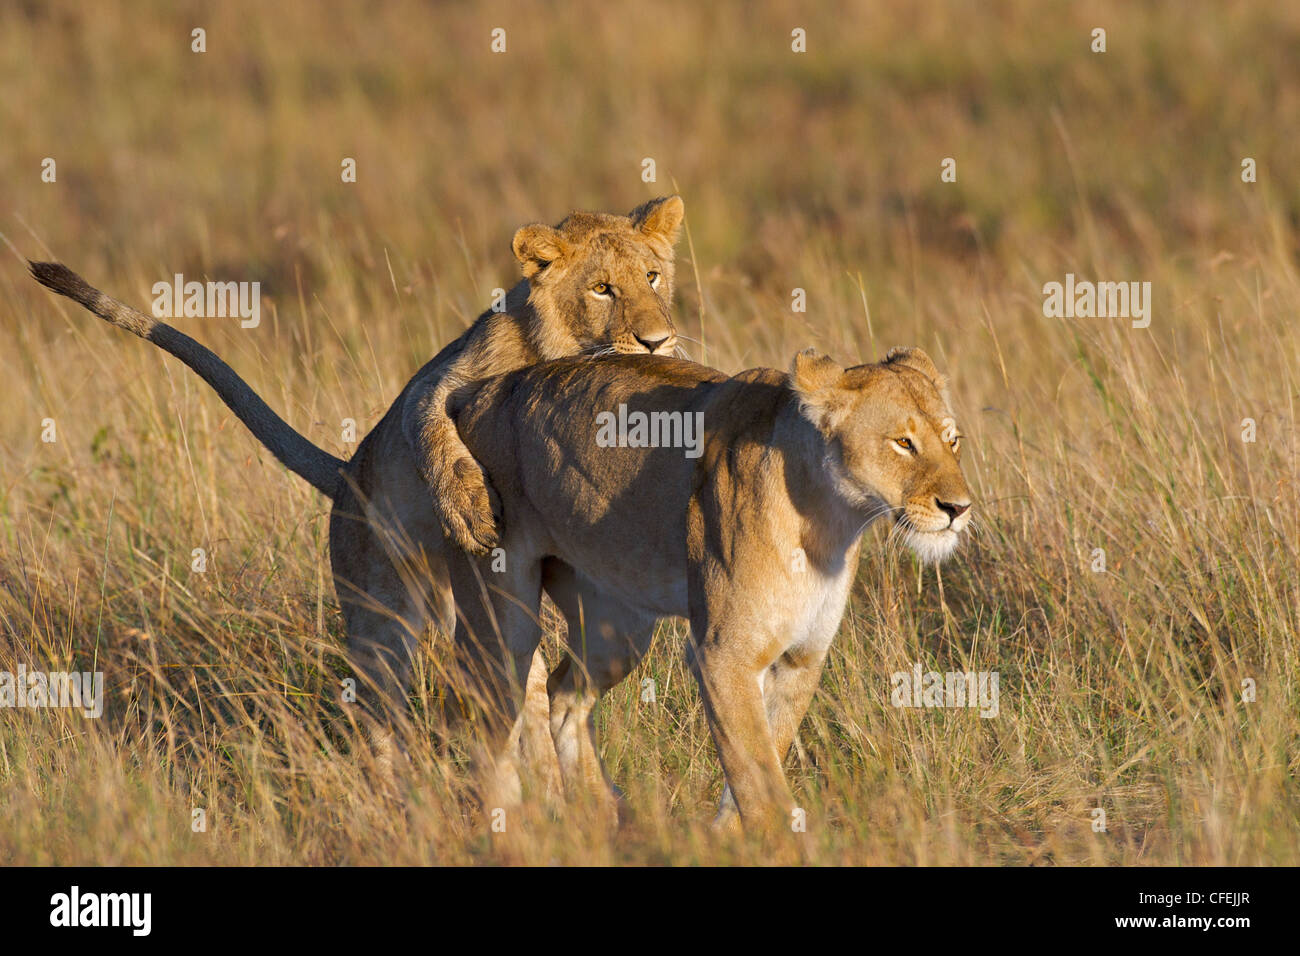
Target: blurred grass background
{"type": "Point", "coordinates": [1120, 690]}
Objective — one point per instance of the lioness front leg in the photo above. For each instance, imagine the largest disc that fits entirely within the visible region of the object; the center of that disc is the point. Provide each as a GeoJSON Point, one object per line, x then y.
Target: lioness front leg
{"type": "Point", "coordinates": [788, 688]}
{"type": "Point", "coordinates": [733, 704]}
{"type": "Point", "coordinates": [464, 502]}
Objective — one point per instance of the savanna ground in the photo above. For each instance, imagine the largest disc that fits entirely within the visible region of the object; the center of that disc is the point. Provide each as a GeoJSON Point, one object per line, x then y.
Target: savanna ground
{"type": "Point", "coordinates": [1121, 689]}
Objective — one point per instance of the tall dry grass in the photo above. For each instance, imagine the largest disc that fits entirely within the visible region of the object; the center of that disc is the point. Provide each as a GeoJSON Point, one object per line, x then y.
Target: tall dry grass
{"type": "Point", "coordinates": [1120, 690]}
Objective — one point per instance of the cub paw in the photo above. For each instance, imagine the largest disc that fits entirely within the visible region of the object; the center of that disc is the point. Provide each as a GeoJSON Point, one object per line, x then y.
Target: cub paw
{"type": "Point", "coordinates": [475, 533]}
{"type": "Point", "coordinates": [468, 508]}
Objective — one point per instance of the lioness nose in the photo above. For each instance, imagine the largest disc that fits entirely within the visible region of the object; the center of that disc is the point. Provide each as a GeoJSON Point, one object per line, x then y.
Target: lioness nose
{"type": "Point", "coordinates": [653, 341]}
{"type": "Point", "coordinates": [952, 509]}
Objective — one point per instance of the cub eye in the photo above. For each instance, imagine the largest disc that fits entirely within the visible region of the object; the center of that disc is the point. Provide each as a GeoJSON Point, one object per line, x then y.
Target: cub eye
{"type": "Point", "coordinates": [653, 277]}
{"type": "Point", "coordinates": [903, 443]}
{"type": "Point", "coordinates": [601, 288]}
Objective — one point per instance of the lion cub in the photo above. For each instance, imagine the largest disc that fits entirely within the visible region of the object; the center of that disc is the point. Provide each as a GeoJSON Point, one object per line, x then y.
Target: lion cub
{"type": "Point", "coordinates": [752, 533]}
{"type": "Point", "coordinates": [594, 283]}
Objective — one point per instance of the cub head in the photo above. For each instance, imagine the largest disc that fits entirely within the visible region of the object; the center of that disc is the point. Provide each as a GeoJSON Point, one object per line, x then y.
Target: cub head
{"type": "Point", "coordinates": [602, 283]}
{"type": "Point", "coordinates": [894, 444]}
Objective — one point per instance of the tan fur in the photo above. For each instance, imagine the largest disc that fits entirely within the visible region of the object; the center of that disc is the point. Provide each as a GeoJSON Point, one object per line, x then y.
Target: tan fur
{"type": "Point", "coordinates": [415, 492]}
{"type": "Point", "coordinates": [553, 312]}
{"type": "Point", "coordinates": [756, 541]}
{"type": "Point", "coordinates": [412, 480]}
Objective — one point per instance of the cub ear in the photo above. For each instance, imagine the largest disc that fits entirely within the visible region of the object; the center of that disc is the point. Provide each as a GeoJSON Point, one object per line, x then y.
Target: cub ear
{"type": "Point", "coordinates": [536, 247]}
{"type": "Point", "coordinates": [660, 218]}
{"type": "Point", "coordinates": [815, 379]}
{"type": "Point", "coordinates": [918, 361]}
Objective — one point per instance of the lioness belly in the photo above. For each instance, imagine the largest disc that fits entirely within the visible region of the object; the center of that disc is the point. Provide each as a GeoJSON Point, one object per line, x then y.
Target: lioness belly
{"type": "Point", "coordinates": [618, 515]}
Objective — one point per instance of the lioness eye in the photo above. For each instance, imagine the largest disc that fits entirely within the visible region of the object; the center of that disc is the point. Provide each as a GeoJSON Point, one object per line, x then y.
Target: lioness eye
{"type": "Point", "coordinates": [956, 443]}
{"type": "Point", "coordinates": [653, 277]}
{"type": "Point", "coordinates": [903, 443]}
{"type": "Point", "coordinates": [601, 288]}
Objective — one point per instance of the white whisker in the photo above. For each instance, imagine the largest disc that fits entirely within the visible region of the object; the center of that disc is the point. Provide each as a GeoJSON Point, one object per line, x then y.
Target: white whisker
{"type": "Point", "coordinates": [883, 509]}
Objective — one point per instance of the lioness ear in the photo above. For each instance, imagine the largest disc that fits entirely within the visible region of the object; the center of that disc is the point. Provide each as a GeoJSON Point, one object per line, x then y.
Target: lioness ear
{"type": "Point", "coordinates": [811, 371]}
{"type": "Point", "coordinates": [660, 218]}
{"type": "Point", "coordinates": [536, 247]}
{"type": "Point", "coordinates": [918, 361]}
{"type": "Point", "coordinates": [815, 379]}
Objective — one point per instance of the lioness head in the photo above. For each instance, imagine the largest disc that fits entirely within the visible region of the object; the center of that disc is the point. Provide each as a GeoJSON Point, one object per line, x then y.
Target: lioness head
{"type": "Point", "coordinates": [599, 281]}
{"type": "Point", "coordinates": [895, 444]}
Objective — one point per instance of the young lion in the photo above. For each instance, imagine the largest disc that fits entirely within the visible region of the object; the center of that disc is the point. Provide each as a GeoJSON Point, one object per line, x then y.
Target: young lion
{"type": "Point", "coordinates": [595, 282]}
{"type": "Point", "coordinates": [752, 533]}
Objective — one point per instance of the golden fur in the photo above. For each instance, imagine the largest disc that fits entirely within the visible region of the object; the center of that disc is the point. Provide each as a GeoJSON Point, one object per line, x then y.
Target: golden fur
{"type": "Point", "coordinates": [412, 484]}
{"type": "Point", "coordinates": [414, 493]}
{"type": "Point", "coordinates": [554, 311]}
{"type": "Point", "coordinates": [756, 541]}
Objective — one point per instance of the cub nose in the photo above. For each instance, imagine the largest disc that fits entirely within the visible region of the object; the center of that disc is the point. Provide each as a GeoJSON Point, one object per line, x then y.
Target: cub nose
{"type": "Point", "coordinates": [654, 341]}
{"type": "Point", "coordinates": [952, 509]}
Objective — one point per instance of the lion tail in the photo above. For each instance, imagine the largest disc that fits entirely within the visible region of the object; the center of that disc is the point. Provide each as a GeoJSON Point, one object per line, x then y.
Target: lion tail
{"type": "Point", "coordinates": [297, 454]}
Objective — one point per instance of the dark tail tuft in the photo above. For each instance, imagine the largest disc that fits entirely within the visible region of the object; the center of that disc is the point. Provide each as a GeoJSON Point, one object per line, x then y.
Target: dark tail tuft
{"type": "Point", "coordinates": [57, 277]}
{"type": "Point", "coordinates": [300, 455]}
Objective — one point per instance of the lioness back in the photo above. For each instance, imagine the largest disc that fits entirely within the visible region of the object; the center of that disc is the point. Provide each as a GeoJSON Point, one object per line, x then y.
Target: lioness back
{"type": "Point", "coordinates": [603, 455]}
{"type": "Point", "coordinates": [621, 465]}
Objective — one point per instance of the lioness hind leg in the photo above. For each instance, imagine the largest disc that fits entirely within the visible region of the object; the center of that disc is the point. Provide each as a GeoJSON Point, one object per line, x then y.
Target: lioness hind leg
{"type": "Point", "coordinates": [571, 700]}
{"type": "Point", "coordinates": [537, 749]}
{"type": "Point", "coordinates": [606, 641]}
{"type": "Point", "coordinates": [498, 630]}
{"type": "Point", "coordinates": [574, 690]}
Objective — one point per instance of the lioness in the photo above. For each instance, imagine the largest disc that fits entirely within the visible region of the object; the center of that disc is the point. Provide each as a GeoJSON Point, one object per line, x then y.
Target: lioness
{"type": "Point", "coordinates": [593, 283]}
{"type": "Point", "coordinates": [755, 540]}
